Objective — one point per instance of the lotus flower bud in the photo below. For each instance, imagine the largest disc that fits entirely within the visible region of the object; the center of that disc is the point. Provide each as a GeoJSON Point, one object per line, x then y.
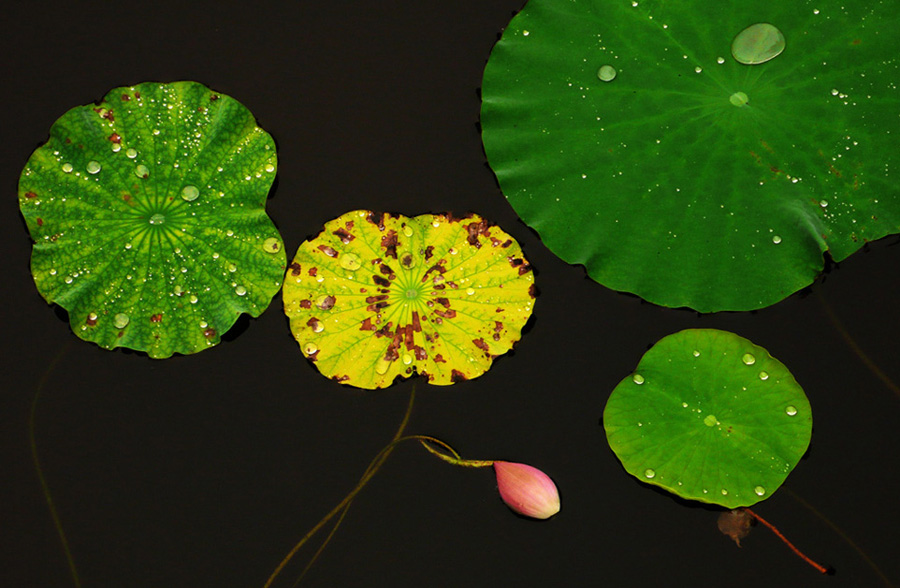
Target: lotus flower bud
{"type": "Point", "coordinates": [527, 490]}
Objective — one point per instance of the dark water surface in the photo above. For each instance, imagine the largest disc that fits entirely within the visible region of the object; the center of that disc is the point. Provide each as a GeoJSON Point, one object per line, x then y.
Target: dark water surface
{"type": "Point", "coordinates": [205, 470]}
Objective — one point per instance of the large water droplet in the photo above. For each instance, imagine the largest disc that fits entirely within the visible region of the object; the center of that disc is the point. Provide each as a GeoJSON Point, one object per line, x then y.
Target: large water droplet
{"type": "Point", "coordinates": [131, 153]}
{"type": "Point", "coordinates": [190, 193]}
{"type": "Point", "coordinates": [748, 359]}
{"type": "Point", "coordinates": [759, 490]}
{"type": "Point", "coordinates": [696, 353]}
{"type": "Point", "coordinates": [724, 492]}
{"type": "Point", "coordinates": [607, 73]}
{"type": "Point", "coordinates": [157, 219]}
{"type": "Point", "coordinates": [382, 366]}
{"type": "Point", "coordinates": [271, 245]}
{"type": "Point", "coordinates": [142, 171]}
{"type": "Point", "coordinates": [649, 473]}
{"type": "Point", "coordinates": [407, 230]}
{"type": "Point", "coordinates": [240, 290]}
{"type": "Point", "coordinates": [350, 261]}
{"type": "Point", "coordinates": [67, 168]}
{"type": "Point", "coordinates": [407, 358]}
{"type": "Point", "coordinates": [470, 291]}
{"type": "Point", "coordinates": [93, 167]}
{"type": "Point", "coordinates": [739, 99]}
{"type": "Point", "coordinates": [763, 375]}
{"type": "Point", "coordinates": [121, 320]}
{"type": "Point", "coordinates": [310, 348]}
{"type": "Point", "coordinates": [791, 410]}
{"type": "Point", "coordinates": [776, 239]}
{"type": "Point", "coordinates": [638, 379]}
{"type": "Point", "coordinates": [270, 168]}
{"type": "Point", "coordinates": [710, 421]}
{"type": "Point", "coordinates": [757, 44]}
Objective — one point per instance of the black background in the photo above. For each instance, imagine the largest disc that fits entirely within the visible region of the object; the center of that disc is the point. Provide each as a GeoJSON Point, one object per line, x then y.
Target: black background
{"type": "Point", "coordinates": [205, 470]}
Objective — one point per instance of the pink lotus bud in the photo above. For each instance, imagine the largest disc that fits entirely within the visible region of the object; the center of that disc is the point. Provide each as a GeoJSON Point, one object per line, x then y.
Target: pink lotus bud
{"type": "Point", "coordinates": [527, 490]}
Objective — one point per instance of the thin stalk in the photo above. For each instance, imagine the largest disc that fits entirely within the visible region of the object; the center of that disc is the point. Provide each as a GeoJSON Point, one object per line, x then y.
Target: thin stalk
{"type": "Point", "coordinates": [45, 487]}
{"type": "Point", "coordinates": [772, 528]}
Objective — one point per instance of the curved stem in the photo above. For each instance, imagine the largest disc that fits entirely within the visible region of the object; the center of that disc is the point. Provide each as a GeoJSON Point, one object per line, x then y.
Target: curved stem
{"type": "Point", "coordinates": [40, 472]}
{"type": "Point", "coordinates": [772, 528]}
{"type": "Point", "coordinates": [344, 504]}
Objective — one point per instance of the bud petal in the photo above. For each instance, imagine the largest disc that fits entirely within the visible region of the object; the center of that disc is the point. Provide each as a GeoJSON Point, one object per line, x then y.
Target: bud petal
{"type": "Point", "coordinates": [527, 490]}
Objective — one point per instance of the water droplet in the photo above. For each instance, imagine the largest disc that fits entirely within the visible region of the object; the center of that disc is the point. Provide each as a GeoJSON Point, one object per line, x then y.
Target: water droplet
{"type": "Point", "coordinates": [763, 375]}
{"type": "Point", "coordinates": [823, 203]}
{"type": "Point", "coordinates": [759, 490]}
{"type": "Point", "coordinates": [271, 245]}
{"type": "Point", "coordinates": [684, 404]}
{"type": "Point", "coordinates": [120, 321]}
{"type": "Point", "coordinates": [776, 239]}
{"type": "Point", "coordinates": [142, 171]}
{"type": "Point", "coordinates": [638, 379]}
{"type": "Point", "coordinates": [350, 261]}
{"type": "Point", "coordinates": [407, 358]}
{"type": "Point", "coordinates": [131, 153]}
{"type": "Point", "coordinates": [607, 73]}
{"type": "Point", "coordinates": [710, 421]}
{"type": "Point", "coordinates": [382, 366]}
{"type": "Point", "coordinates": [436, 223]}
{"type": "Point", "coordinates": [748, 359]}
{"type": "Point", "coordinates": [310, 348]}
{"type": "Point", "coordinates": [240, 290]}
{"type": "Point", "coordinates": [203, 324]}
{"type": "Point", "coordinates": [157, 219]}
{"type": "Point", "coordinates": [720, 60]}
{"type": "Point", "coordinates": [407, 230]}
{"type": "Point", "coordinates": [649, 473]}
{"type": "Point", "coordinates": [757, 44]}
{"type": "Point", "coordinates": [232, 267]}
{"type": "Point", "coordinates": [52, 271]}
{"type": "Point", "coordinates": [739, 99]}
{"type": "Point", "coordinates": [696, 353]}
{"type": "Point", "coordinates": [698, 69]}
{"type": "Point", "coordinates": [190, 193]}
{"type": "Point", "coordinates": [724, 492]}
{"type": "Point", "coordinates": [194, 299]}
{"type": "Point", "coordinates": [316, 326]}
{"type": "Point", "coordinates": [470, 291]}
{"type": "Point", "coordinates": [67, 168]}
{"type": "Point", "coordinates": [93, 167]}
{"type": "Point", "coordinates": [270, 168]}
{"type": "Point", "coordinates": [791, 410]}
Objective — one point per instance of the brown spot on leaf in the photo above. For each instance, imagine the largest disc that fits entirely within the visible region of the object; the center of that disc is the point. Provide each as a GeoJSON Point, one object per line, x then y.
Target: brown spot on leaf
{"type": "Point", "coordinates": [475, 230]}
{"type": "Point", "coordinates": [386, 270]}
{"type": "Point", "coordinates": [381, 281]}
{"type": "Point", "coordinates": [343, 235]}
{"type": "Point", "coordinates": [407, 260]}
{"type": "Point", "coordinates": [30, 195]}
{"type": "Point", "coordinates": [209, 333]}
{"type": "Point", "coordinates": [115, 138]}
{"type": "Point", "coordinates": [532, 291]}
{"type": "Point", "coordinates": [305, 304]}
{"type": "Point", "coordinates": [340, 378]}
{"type": "Point", "coordinates": [447, 314]}
{"type": "Point", "coordinates": [40, 221]}
{"type": "Point", "coordinates": [389, 242]}
{"type": "Point", "coordinates": [377, 219]}
{"type": "Point", "coordinates": [443, 302]}
{"type": "Point", "coordinates": [439, 359]}
{"type": "Point", "coordinates": [314, 356]}
{"type": "Point", "coordinates": [457, 376]}
{"type": "Point", "coordinates": [313, 271]}
{"type": "Point", "coordinates": [523, 269]}
{"type": "Point", "coordinates": [329, 251]}
{"type": "Point", "coordinates": [125, 97]}
{"type": "Point", "coordinates": [420, 353]}
{"type": "Point", "coordinates": [213, 97]}
{"type": "Point", "coordinates": [384, 331]}
{"type": "Point", "coordinates": [156, 318]}
{"type": "Point", "coordinates": [295, 269]}
{"type": "Point", "coordinates": [429, 252]}
{"type": "Point", "coordinates": [479, 343]}
{"type": "Point", "coordinates": [91, 320]}
{"type": "Point", "coordinates": [367, 325]}
{"type": "Point", "coordinates": [416, 324]}
{"type": "Point", "coordinates": [314, 324]}
{"type": "Point", "coordinates": [506, 243]}
{"type": "Point", "coordinates": [326, 303]}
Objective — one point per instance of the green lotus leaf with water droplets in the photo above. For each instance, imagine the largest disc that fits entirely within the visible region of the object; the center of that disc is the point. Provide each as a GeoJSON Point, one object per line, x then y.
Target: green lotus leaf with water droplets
{"type": "Point", "coordinates": [379, 296]}
{"type": "Point", "coordinates": [148, 214]}
{"type": "Point", "coordinates": [709, 416]}
{"type": "Point", "coordinates": [683, 175]}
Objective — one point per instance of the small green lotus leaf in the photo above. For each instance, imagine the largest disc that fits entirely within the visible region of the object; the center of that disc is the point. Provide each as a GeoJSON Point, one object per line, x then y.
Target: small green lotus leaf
{"type": "Point", "coordinates": [709, 416]}
{"type": "Point", "coordinates": [148, 216]}
{"type": "Point", "coordinates": [696, 153]}
{"type": "Point", "coordinates": [379, 296]}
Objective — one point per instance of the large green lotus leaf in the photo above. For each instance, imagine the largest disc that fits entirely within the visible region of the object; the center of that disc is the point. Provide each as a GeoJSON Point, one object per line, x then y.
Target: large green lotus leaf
{"type": "Point", "coordinates": [690, 178]}
{"type": "Point", "coordinates": [379, 296]}
{"type": "Point", "coordinates": [148, 216]}
{"type": "Point", "coordinates": [709, 416]}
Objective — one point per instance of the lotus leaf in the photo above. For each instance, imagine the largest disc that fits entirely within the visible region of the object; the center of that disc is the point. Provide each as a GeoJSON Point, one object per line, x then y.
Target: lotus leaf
{"type": "Point", "coordinates": [148, 214]}
{"type": "Point", "coordinates": [700, 154]}
{"type": "Point", "coordinates": [379, 296]}
{"type": "Point", "coordinates": [709, 416]}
